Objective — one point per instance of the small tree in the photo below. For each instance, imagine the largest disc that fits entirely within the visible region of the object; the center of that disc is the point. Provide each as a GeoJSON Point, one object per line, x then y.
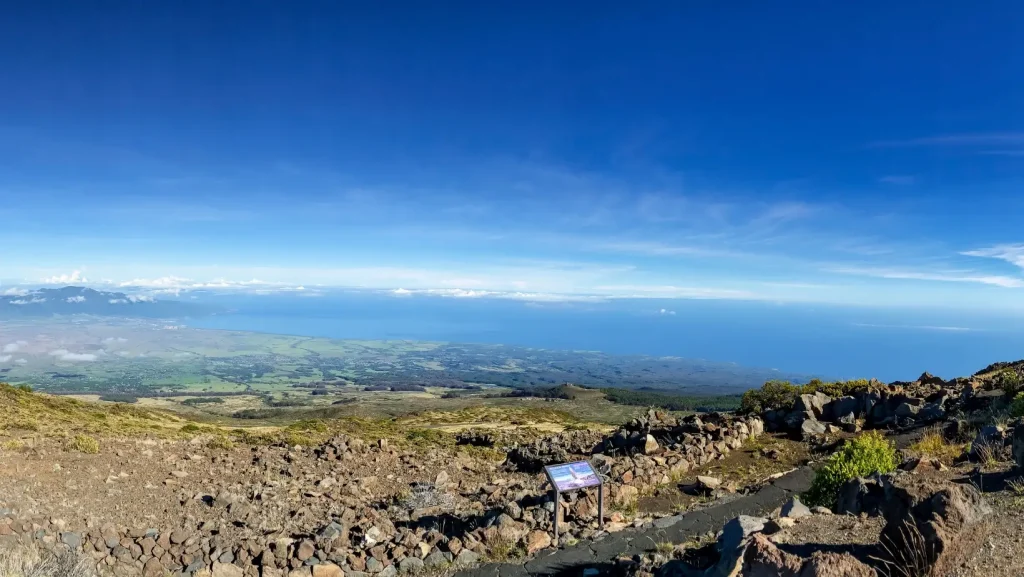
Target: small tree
{"type": "Point", "coordinates": [771, 395]}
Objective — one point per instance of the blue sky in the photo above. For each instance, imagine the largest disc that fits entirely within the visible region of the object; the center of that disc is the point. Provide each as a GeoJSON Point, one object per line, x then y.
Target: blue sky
{"type": "Point", "coordinates": [865, 154]}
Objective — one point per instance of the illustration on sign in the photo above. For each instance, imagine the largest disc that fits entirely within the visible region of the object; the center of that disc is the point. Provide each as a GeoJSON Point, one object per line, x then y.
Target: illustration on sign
{"type": "Point", "coordinates": [573, 476]}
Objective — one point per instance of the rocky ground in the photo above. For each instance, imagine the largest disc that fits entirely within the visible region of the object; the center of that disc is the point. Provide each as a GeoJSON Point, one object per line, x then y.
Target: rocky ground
{"type": "Point", "coordinates": [152, 494]}
{"type": "Point", "coordinates": [335, 502]}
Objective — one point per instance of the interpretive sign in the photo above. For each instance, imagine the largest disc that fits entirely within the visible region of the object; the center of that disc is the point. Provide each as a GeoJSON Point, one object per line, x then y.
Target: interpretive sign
{"type": "Point", "coordinates": [573, 476]}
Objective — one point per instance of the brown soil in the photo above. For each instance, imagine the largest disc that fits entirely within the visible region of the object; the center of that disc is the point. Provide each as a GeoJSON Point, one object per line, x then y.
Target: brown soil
{"type": "Point", "coordinates": [165, 484]}
{"type": "Point", "coordinates": [749, 467]}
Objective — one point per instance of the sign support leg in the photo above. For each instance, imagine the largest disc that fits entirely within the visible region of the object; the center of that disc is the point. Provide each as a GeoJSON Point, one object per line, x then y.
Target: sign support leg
{"type": "Point", "coordinates": [558, 504]}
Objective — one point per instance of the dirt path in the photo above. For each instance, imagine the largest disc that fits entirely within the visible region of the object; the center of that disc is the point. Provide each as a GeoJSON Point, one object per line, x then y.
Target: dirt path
{"type": "Point", "coordinates": [599, 555]}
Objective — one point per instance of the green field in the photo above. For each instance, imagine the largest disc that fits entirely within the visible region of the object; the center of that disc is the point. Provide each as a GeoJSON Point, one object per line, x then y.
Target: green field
{"type": "Point", "coordinates": [265, 376]}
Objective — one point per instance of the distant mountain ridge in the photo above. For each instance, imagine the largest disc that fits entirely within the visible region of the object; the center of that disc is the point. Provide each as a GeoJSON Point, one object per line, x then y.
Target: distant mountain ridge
{"type": "Point", "coordinates": [72, 300]}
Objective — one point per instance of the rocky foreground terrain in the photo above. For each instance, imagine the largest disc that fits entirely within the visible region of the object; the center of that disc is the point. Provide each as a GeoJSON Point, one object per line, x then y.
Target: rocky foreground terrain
{"type": "Point", "coordinates": [137, 492]}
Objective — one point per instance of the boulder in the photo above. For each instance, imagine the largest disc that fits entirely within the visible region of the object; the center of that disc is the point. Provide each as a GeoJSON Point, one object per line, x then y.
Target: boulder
{"type": "Point", "coordinates": [990, 436]}
{"type": "Point", "coordinates": [922, 465]}
{"type": "Point", "coordinates": [1018, 445]}
{"type": "Point", "coordinates": [794, 509]}
{"type": "Point", "coordinates": [733, 542]}
{"type": "Point", "coordinates": [841, 406]}
{"type": "Point", "coordinates": [848, 423]}
{"type": "Point", "coordinates": [861, 495]}
{"type": "Point", "coordinates": [814, 404]}
{"type": "Point", "coordinates": [812, 428]}
{"type": "Point", "coordinates": [931, 412]}
{"type": "Point", "coordinates": [226, 570]}
{"type": "Point", "coordinates": [305, 551]}
{"type": "Point", "coordinates": [328, 570]}
{"type": "Point", "coordinates": [153, 568]}
{"type": "Point", "coordinates": [755, 426]}
{"type": "Point", "coordinates": [536, 541]}
{"type": "Point", "coordinates": [650, 445]}
{"type": "Point", "coordinates": [625, 494]}
{"type": "Point", "coordinates": [931, 523]}
{"type": "Point", "coordinates": [442, 479]}
{"type": "Point", "coordinates": [763, 559]}
{"type": "Point", "coordinates": [706, 483]}
{"type": "Point", "coordinates": [794, 419]}
{"type": "Point", "coordinates": [407, 565]}
{"type": "Point", "coordinates": [907, 410]}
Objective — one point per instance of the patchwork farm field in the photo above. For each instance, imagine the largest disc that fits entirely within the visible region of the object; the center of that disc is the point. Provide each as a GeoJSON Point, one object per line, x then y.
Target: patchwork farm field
{"type": "Point", "coordinates": [247, 375]}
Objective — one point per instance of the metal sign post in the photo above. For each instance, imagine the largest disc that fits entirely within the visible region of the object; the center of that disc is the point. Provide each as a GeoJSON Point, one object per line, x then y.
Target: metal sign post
{"type": "Point", "coordinates": [571, 477]}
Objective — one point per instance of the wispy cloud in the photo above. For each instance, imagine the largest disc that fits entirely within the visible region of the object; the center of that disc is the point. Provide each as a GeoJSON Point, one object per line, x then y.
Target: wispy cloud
{"type": "Point", "coordinates": [970, 139]}
{"type": "Point", "coordinates": [898, 179]}
{"type": "Point", "coordinates": [1017, 152]}
{"type": "Point", "coordinates": [663, 249]}
{"type": "Point", "coordinates": [1011, 253]}
{"type": "Point", "coordinates": [75, 299]}
{"type": "Point", "coordinates": [31, 301]}
{"type": "Point", "coordinates": [671, 291]}
{"type": "Point", "coordinates": [942, 276]}
{"type": "Point", "coordinates": [488, 294]}
{"type": "Point", "coordinates": [14, 292]}
{"type": "Point", "coordinates": [915, 327]}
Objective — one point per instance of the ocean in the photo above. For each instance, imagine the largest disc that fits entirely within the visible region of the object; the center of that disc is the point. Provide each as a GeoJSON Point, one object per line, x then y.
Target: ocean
{"type": "Point", "coordinates": [831, 342]}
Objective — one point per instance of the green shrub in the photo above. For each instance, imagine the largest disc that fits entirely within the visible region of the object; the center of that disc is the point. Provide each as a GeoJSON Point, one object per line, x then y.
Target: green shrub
{"type": "Point", "coordinates": [1010, 382]}
{"type": "Point", "coordinates": [309, 425]}
{"type": "Point", "coordinates": [771, 395]}
{"type": "Point", "coordinates": [194, 401]}
{"type": "Point", "coordinates": [220, 442]}
{"type": "Point", "coordinates": [869, 453]}
{"type": "Point", "coordinates": [1017, 406]}
{"type": "Point", "coordinates": [84, 444]}
{"type": "Point", "coordinates": [191, 428]}
{"type": "Point", "coordinates": [781, 395]}
{"type": "Point", "coordinates": [836, 389]}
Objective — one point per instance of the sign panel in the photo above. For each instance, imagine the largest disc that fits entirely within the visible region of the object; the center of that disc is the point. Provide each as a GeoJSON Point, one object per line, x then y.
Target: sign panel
{"type": "Point", "coordinates": [571, 476]}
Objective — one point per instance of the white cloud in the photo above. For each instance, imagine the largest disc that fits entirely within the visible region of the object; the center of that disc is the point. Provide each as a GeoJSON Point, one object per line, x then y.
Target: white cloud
{"type": "Point", "coordinates": [21, 362]}
{"type": "Point", "coordinates": [460, 293]}
{"type": "Point", "coordinates": [1011, 253]}
{"type": "Point", "coordinates": [65, 355]}
{"type": "Point", "coordinates": [141, 299]}
{"type": "Point", "coordinates": [181, 283]}
{"type": "Point", "coordinates": [898, 179]}
{"type": "Point", "coordinates": [115, 340]}
{"type": "Point", "coordinates": [677, 292]}
{"type": "Point", "coordinates": [74, 278]}
{"type": "Point", "coordinates": [117, 301]}
{"type": "Point", "coordinates": [75, 299]}
{"type": "Point", "coordinates": [914, 327]}
{"type": "Point", "coordinates": [14, 347]}
{"type": "Point", "coordinates": [32, 301]}
{"type": "Point", "coordinates": [14, 292]}
{"type": "Point", "coordinates": [942, 276]}
{"type": "Point", "coordinates": [5, 358]}
{"type": "Point", "coordinates": [667, 312]}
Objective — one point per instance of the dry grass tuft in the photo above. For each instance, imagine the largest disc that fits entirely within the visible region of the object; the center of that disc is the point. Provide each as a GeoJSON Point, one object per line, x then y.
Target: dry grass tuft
{"type": "Point", "coordinates": [933, 444]}
{"type": "Point", "coordinates": [25, 561]}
